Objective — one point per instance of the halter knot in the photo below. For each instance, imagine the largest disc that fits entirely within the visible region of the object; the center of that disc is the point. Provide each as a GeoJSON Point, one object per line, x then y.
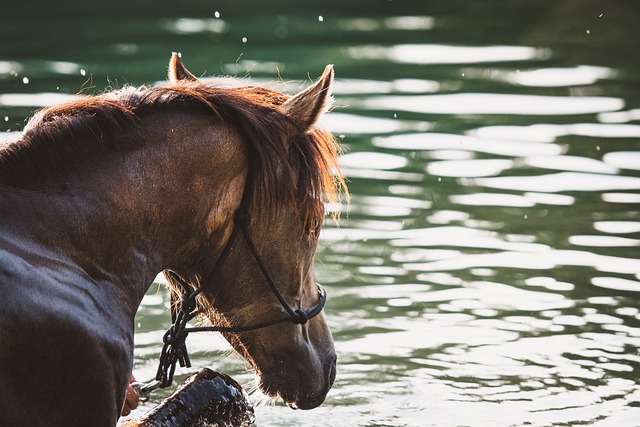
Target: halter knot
{"type": "Point", "coordinates": [187, 304]}
{"type": "Point", "coordinates": [300, 317]}
{"type": "Point", "coordinates": [175, 339]}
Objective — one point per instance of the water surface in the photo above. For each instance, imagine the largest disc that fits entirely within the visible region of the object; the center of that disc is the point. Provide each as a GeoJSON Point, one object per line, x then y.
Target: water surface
{"type": "Point", "coordinates": [486, 272]}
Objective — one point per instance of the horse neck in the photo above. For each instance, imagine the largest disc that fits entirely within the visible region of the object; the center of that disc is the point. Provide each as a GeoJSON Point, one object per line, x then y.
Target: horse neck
{"type": "Point", "coordinates": [138, 212]}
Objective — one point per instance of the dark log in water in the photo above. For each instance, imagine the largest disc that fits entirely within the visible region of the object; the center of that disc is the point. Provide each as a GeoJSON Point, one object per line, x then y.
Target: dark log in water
{"type": "Point", "coordinates": [207, 398]}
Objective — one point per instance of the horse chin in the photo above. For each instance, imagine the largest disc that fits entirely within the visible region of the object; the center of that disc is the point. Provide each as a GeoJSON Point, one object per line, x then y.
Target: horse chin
{"type": "Point", "coordinates": [297, 388]}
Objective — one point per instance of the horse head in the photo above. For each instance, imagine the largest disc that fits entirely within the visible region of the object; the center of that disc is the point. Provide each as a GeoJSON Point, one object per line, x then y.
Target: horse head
{"type": "Point", "coordinates": [293, 361]}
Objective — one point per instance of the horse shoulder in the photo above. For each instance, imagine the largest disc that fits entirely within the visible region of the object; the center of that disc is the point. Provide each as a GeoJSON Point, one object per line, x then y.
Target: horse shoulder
{"type": "Point", "coordinates": [62, 361]}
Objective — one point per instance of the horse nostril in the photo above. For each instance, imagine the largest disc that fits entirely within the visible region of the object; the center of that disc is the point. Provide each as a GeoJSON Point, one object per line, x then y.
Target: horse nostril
{"type": "Point", "coordinates": [332, 375]}
{"type": "Point", "coordinates": [332, 371]}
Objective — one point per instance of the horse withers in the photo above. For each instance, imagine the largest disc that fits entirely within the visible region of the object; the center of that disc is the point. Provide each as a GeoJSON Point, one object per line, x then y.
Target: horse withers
{"type": "Point", "coordinates": [100, 194]}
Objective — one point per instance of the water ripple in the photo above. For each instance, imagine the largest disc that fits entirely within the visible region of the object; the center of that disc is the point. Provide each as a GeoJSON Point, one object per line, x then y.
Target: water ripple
{"type": "Point", "coordinates": [195, 25]}
{"type": "Point", "coordinates": [550, 132]}
{"type": "Point", "coordinates": [536, 261]}
{"type": "Point", "coordinates": [34, 99]}
{"type": "Point", "coordinates": [442, 141]}
{"type": "Point", "coordinates": [559, 182]}
{"type": "Point", "coordinates": [446, 54]}
{"type": "Point", "coordinates": [558, 77]}
{"type": "Point", "coordinates": [493, 103]}
{"type": "Point", "coordinates": [469, 168]}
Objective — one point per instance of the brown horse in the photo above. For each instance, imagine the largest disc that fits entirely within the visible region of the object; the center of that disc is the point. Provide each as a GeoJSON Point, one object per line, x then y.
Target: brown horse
{"type": "Point", "coordinates": [102, 193]}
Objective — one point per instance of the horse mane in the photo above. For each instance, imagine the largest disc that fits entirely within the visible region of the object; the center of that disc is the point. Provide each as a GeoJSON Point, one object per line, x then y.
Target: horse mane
{"type": "Point", "coordinates": [67, 135]}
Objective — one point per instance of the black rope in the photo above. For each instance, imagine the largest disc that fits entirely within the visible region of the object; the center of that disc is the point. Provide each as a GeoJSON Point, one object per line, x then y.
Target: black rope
{"type": "Point", "coordinates": [174, 349]}
{"type": "Point", "coordinates": [307, 314]}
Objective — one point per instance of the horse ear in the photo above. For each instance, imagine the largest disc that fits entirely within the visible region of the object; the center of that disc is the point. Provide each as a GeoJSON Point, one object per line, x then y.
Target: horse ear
{"type": "Point", "coordinates": [306, 107]}
{"type": "Point", "coordinates": [177, 70]}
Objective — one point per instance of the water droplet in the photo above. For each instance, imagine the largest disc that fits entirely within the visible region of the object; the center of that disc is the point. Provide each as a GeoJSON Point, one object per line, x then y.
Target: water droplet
{"type": "Point", "coordinates": [83, 72]}
{"type": "Point", "coordinates": [6, 118]}
{"type": "Point", "coordinates": [526, 216]}
{"type": "Point", "coordinates": [320, 18]}
{"type": "Point", "coordinates": [601, 15]}
{"type": "Point", "coordinates": [244, 40]}
{"type": "Point", "coordinates": [588, 31]}
{"type": "Point", "coordinates": [216, 14]}
{"type": "Point", "coordinates": [25, 80]}
{"type": "Point", "coordinates": [395, 116]}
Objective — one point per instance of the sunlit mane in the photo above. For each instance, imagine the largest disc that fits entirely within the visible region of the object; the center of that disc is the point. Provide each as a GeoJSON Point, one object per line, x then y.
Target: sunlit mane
{"type": "Point", "coordinates": [67, 135]}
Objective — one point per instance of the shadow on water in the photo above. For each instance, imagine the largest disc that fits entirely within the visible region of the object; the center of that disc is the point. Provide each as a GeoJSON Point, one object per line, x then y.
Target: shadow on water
{"type": "Point", "coordinates": [486, 272]}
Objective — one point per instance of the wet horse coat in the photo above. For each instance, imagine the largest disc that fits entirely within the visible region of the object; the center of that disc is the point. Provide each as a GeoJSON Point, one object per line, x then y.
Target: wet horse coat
{"type": "Point", "coordinates": [101, 194]}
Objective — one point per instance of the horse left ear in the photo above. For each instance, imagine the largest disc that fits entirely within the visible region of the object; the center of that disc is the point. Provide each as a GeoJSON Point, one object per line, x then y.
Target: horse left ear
{"type": "Point", "coordinates": [177, 70]}
{"type": "Point", "coordinates": [306, 107]}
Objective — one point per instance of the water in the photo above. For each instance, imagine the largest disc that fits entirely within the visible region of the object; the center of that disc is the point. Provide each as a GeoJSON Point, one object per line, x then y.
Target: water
{"type": "Point", "coordinates": [486, 272]}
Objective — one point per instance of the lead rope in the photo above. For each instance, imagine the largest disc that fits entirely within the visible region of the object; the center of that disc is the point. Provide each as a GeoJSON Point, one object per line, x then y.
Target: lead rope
{"type": "Point", "coordinates": [174, 347]}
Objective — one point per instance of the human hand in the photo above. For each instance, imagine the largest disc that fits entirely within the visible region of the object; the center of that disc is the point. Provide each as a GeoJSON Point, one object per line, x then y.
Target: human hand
{"type": "Point", "coordinates": [132, 398]}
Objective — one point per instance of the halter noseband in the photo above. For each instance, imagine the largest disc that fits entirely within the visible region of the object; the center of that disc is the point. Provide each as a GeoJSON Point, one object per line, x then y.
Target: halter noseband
{"type": "Point", "coordinates": [183, 310]}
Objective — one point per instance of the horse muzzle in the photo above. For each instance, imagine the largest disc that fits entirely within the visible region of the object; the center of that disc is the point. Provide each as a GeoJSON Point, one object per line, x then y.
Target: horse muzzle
{"type": "Point", "coordinates": [300, 388]}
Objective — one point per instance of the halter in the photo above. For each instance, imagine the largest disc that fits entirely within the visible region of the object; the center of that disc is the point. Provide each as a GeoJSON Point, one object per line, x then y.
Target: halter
{"type": "Point", "coordinates": [183, 310]}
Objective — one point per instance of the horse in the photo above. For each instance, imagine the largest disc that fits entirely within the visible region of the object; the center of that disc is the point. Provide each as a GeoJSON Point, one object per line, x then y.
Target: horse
{"type": "Point", "coordinates": [101, 194]}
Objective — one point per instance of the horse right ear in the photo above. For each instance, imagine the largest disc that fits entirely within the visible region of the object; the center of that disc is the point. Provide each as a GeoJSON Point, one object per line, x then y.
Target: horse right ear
{"type": "Point", "coordinates": [306, 107]}
{"type": "Point", "coordinates": [177, 70]}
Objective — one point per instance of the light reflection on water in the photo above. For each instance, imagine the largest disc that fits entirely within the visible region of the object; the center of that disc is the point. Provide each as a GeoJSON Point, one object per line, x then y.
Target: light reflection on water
{"type": "Point", "coordinates": [487, 270]}
{"type": "Point", "coordinates": [424, 54]}
{"type": "Point", "coordinates": [491, 103]}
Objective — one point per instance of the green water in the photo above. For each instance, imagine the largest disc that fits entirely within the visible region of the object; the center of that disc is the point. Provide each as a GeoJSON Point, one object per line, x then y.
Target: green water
{"type": "Point", "coordinates": [486, 272]}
